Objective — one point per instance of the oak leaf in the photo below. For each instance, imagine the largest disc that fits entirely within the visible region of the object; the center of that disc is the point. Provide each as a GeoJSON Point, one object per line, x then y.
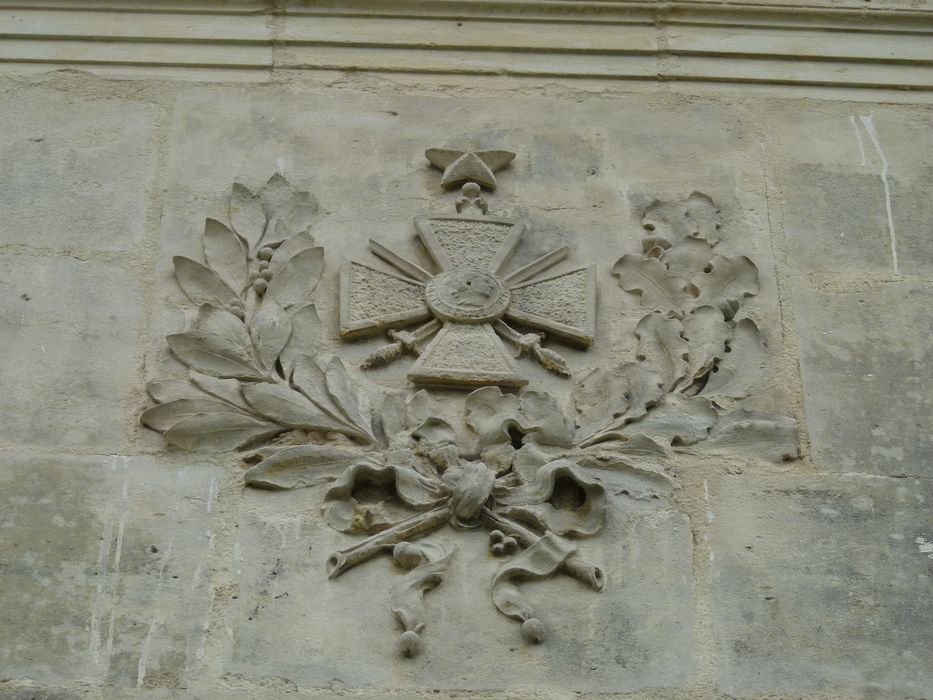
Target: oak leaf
{"type": "Point", "coordinates": [727, 283]}
{"type": "Point", "coordinates": [662, 347]}
{"type": "Point", "coordinates": [706, 332]}
{"type": "Point", "coordinates": [742, 369]}
{"type": "Point", "coordinates": [651, 279]}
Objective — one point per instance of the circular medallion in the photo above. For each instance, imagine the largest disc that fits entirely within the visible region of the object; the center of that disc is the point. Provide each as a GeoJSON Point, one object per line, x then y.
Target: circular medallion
{"type": "Point", "coordinates": [467, 295]}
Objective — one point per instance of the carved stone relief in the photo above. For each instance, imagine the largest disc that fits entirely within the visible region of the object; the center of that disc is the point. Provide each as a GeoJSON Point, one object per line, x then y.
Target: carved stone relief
{"type": "Point", "coordinates": [521, 466]}
{"type": "Point", "coordinates": [468, 302]}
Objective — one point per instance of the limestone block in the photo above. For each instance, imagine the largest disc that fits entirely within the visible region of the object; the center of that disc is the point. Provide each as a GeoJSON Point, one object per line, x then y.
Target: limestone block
{"type": "Point", "coordinates": [851, 181]}
{"type": "Point", "coordinates": [290, 622]}
{"type": "Point", "coordinates": [821, 586]}
{"type": "Point", "coordinates": [865, 360]}
{"type": "Point", "coordinates": [838, 221]}
{"type": "Point", "coordinates": [69, 330]}
{"type": "Point", "coordinates": [79, 171]}
{"type": "Point", "coordinates": [105, 573]}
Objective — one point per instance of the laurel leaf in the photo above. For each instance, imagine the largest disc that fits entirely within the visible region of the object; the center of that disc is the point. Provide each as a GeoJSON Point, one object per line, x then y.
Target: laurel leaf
{"type": "Point", "coordinates": [288, 407]}
{"type": "Point", "coordinates": [270, 330]}
{"type": "Point", "coordinates": [290, 249]}
{"type": "Point", "coordinates": [219, 431]}
{"type": "Point", "coordinates": [224, 389]}
{"type": "Point", "coordinates": [210, 319]}
{"type": "Point", "coordinates": [293, 283]}
{"type": "Point", "coordinates": [292, 210]}
{"type": "Point", "coordinates": [300, 466]}
{"type": "Point", "coordinates": [309, 379]}
{"type": "Point", "coordinates": [202, 284]}
{"type": "Point", "coordinates": [305, 339]}
{"type": "Point", "coordinates": [212, 354]}
{"type": "Point", "coordinates": [165, 390]}
{"type": "Point", "coordinates": [347, 396]}
{"type": "Point", "coordinates": [164, 416]}
{"type": "Point", "coordinates": [226, 254]}
{"type": "Point", "coordinates": [247, 215]}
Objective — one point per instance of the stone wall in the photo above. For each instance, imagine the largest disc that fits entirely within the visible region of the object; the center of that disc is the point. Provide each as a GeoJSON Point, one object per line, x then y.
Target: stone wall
{"type": "Point", "coordinates": [129, 566]}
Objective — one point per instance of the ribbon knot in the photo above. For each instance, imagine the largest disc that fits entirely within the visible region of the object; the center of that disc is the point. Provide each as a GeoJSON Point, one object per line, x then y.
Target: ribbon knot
{"type": "Point", "coordinates": [470, 484]}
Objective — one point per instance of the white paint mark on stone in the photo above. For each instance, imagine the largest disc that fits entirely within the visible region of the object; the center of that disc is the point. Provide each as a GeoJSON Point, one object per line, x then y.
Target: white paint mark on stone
{"type": "Point", "coordinates": [280, 164]}
{"type": "Point", "coordinates": [869, 124]}
{"type": "Point", "coordinates": [117, 556]}
{"type": "Point", "coordinates": [211, 494]}
{"type": "Point", "coordinates": [156, 621]}
{"type": "Point", "coordinates": [144, 654]}
{"type": "Point", "coordinates": [103, 553]}
{"type": "Point", "coordinates": [925, 546]}
{"type": "Point", "coordinates": [858, 135]}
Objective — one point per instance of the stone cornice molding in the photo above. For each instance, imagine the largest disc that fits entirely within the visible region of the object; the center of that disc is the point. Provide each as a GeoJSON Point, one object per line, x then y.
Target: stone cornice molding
{"type": "Point", "coordinates": [827, 43]}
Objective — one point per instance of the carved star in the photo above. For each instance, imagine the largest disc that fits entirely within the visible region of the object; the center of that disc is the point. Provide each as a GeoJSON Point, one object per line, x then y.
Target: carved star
{"type": "Point", "coordinates": [468, 166]}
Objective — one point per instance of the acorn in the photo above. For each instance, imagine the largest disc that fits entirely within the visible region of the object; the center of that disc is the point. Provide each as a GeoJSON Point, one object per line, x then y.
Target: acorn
{"type": "Point", "coordinates": [533, 630]}
{"type": "Point", "coordinates": [265, 253]}
{"type": "Point", "coordinates": [409, 644]}
{"type": "Point", "coordinates": [260, 286]}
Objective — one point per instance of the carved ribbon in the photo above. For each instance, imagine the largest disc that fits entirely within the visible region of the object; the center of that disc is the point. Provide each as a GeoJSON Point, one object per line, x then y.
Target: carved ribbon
{"type": "Point", "coordinates": [540, 560]}
{"type": "Point", "coordinates": [427, 569]}
{"type": "Point", "coordinates": [470, 484]}
{"type": "Point", "coordinates": [530, 502]}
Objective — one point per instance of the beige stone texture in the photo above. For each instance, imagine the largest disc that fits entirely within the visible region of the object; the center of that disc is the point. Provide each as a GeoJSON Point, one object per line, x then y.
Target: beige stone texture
{"type": "Point", "coordinates": [792, 560]}
{"type": "Point", "coordinates": [70, 334]}
{"type": "Point", "coordinates": [820, 585]}
{"type": "Point", "coordinates": [106, 572]}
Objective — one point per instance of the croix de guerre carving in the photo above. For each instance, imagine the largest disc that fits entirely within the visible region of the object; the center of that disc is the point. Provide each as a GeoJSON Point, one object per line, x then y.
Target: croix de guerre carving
{"type": "Point", "coordinates": [519, 466]}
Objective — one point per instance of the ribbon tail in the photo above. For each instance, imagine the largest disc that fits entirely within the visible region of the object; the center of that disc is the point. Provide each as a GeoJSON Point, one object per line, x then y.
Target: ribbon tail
{"type": "Point", "coordinates": [427, 569]}
{"type": "Point", "coordinates": [540, 560]}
